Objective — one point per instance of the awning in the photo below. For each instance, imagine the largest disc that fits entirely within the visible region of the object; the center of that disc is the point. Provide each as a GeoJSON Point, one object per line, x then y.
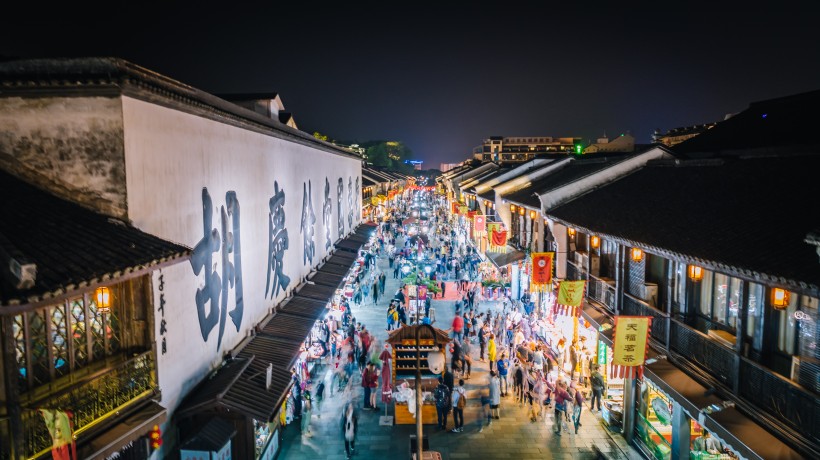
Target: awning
{"type": "Point", "coordinates": [317, 291]}
{"type": "Point", "coordinates": [739, 432]}
{"type": "Point", "coordinates": [327, 279]}
{"type": "Point", "coordinates": [357, 239]}
{"type": "Point", "coordinates": [212, 437]}
{"type": "Point", "coordinates": [132, 427]}
{"type": "Point", "coordinates": [502, 259]}
{"type": "Point", "coordinates": [303, 306]}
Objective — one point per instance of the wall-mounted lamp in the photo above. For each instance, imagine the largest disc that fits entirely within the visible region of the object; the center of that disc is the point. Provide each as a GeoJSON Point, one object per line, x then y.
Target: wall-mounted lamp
{"type": "Point", "coordinates": [512, 208]}
{"type": "Point", "coordinates": [532, 214]}
{"type": "Point", "coordinates": [594, 241]}
{"type": "Point", "coordinates": [780, 299]}
{"type": "Point", "coordinates": [520, 210]}
{"type": "Point", "coordinates": [571, 232]}
{"type": "Point", "coordinates": [695, 273]}
{"type": "Point", "coordinates": [637, 254]}
{"type": "Point", "coordinates": [103, 297]}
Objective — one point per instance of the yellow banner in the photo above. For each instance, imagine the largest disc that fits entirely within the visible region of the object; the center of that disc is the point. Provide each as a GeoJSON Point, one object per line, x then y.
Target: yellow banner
{"type": "Point", "coordinates": [630, 340]}
{"type": "Point", "coordinates": [570, 293]}
{"type": "Point", "coordinates": [462, 210]}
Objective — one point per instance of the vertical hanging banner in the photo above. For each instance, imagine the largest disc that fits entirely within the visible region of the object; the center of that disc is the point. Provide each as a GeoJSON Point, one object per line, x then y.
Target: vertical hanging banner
{"type": "Point", "coordinates": [462, 209]}
{"type": "Point", "coordinates": [480, 224]}
{"type": "Point", "coordinates": [454, 207]}
{"type": "Point", "coordinates": [496, 237]}
{"type": "Point", "coordinates": [542, 263]}
{"type": "Point", "coordinates": [630, 344]}
{"type": "Point", "coordinates": [60, 428]}
{"type": "Point", "coordinates": [570, 295]}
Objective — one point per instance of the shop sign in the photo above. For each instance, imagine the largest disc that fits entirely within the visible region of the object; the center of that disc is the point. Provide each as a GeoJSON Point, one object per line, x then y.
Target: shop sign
{"type": "Point", "coordinates": [163, 325]}
{"type": "Point", "coordinates": [542, 271]}
{"type": "Point", "coordinates": [629, 347]}
{"type": "Point", "coordinates": [272, 448]}
{"type": "Point", "coordinates": [601, 352]}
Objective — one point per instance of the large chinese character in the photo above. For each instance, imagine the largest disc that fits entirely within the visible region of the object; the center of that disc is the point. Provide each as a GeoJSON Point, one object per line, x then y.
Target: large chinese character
{"type": "Point", "coordinates": [202, 258]}
{"type": "Point", "coordinates": [327, 211]}
{"type": "Point", "coordinates": [277, 242]}
{"type": "Point", "coordinates": [350, 202]}
{"type": "Point", "coordinates": [308, 220]}
{"type": "Point", "coordinates": [340, 189]}
{"type": "Point", "coordinates": [231, 271]}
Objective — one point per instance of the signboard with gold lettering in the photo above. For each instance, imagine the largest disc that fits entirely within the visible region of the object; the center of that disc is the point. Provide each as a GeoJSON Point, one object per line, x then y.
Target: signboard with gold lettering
{"type": "Point", "coordinates": [630, 344]}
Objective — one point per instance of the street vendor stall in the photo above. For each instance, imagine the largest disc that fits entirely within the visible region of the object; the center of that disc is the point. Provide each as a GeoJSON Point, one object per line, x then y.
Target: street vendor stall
{"type": "Point", "coordinates": [407, 350]}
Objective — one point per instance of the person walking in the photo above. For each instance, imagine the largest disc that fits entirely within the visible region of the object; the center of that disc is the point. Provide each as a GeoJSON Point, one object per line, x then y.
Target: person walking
{"type": "Point", "coordinates": [466, 353]}
{"type": "Point", "coordinates": [562, 399]}
{"type": "Point", "coordinates": [443, 403]}
{"type": "Point", "coordinates": [491, 351]}
{"type": "Point", "coordinates": [597, 380]}
{"type": "Point", "coordinates": [319, 397]}
{"type": "Point", "coordinates": [495, 395]}
{"type": "Point", "coordinates": [350, 426]}
{"type": "Point", "coordinates": [503, 366]}
{"type": "Point", "coordinates": [375, 292]}
{"type": "Point", "coordinates": [576, 408]}
{"type": "Point", "coordinates": [459, 403]}
{"type": "Point", "coordinates": [307, 408]}
{"type": "Point", "coordinates": [367, 377]}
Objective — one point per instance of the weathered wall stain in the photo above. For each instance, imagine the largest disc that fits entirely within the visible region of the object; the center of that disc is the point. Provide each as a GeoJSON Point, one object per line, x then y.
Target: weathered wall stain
{"type": "Point", "coordinates": [73, 147]}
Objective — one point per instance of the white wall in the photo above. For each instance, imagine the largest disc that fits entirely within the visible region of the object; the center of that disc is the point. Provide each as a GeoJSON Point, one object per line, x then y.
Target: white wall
{"type": "Point", "coordinates": [170, 157]}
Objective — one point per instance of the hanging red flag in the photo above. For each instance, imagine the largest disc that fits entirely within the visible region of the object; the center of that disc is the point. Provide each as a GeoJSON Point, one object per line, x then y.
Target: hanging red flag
{"type": "Point", "coordinates": [542, 271]}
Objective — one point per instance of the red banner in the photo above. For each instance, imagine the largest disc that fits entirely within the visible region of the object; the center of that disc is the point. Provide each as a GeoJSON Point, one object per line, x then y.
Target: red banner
{"type": "Point", "coordinates": [470, 214]}
{"type": "Point", "coordinates": [480, 224]}
{"type": "Point", "coordinates": [499, 238]}
{"type": "Point", "coordinates": [542, 271]}
{"type": "Point", "coordinates": [454, 206]}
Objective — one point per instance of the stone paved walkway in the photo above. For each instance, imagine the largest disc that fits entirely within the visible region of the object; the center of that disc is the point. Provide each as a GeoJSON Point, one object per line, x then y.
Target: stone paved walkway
{"type": "Point", "coordinates": [513, 436]}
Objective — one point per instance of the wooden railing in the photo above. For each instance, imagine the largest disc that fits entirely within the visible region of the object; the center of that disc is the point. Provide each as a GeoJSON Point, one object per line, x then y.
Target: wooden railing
{"type": "Point", "coordinates": [91, 400]}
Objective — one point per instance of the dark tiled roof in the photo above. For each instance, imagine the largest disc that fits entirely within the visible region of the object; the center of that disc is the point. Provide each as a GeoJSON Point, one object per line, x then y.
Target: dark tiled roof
{"type": "Point", "coordinates": [211, 437]}
{"type": "Point", "coordinates": [570, 172]}
{"type": "Point", "coordinates": [769, 126]}
{"type": "Point", "coordinates": [747, 216]}
{"type": "Point", "coordinates": [72, 246]}
{"type": "Point", "coordinates": [367, 182]}
{"type": "Point", "coordinates": [488, 195]}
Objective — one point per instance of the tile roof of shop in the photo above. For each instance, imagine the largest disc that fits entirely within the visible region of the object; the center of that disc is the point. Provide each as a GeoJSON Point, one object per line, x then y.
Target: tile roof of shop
{"type": "Point", "coordinates": [571, 171]}
{"type": "Point", "coordinates": [71, 246]}
{"type": "Point", "coordinates": [745, 216]}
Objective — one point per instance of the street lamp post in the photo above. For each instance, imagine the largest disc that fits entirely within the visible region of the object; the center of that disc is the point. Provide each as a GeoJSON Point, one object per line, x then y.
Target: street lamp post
{"type": "Point", "coordinates": [430, 360]}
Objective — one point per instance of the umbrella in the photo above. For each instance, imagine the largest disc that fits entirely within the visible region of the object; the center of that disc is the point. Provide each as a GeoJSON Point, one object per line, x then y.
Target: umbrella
{"type": "Point", "coordinates": [387, 376]}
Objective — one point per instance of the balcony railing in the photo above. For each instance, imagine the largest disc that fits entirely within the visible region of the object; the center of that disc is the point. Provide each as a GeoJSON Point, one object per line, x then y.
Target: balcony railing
{"type": "Point", "coordinates": [601, 291]}
{"type": "Point", "coordinates": [791, 404]}
{"type": "Point", "coordinates": [574, 273]}
{"type": "Point", "coordinates": [660, 321]}
{"type": "Point", "coordinates": [90, 401]}
{"type": "Point", "coordinates": [716, 359]}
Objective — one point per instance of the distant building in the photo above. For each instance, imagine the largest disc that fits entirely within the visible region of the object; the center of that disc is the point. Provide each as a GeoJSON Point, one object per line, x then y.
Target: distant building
{"type": "Point", "coordinates": [678, 135]}
{"type": "Point", "coordinates": [624, 143]}
{"type": "Point", "coordinates": [444, 167]}
{"type": "Point", "coordinates": [267, 104]}
{"type": "Point", "coordinates": [520, 149]}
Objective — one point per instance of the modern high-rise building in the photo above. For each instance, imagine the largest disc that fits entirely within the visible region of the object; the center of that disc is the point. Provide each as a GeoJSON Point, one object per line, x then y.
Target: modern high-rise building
{"type": "Point", "coordinates": [520, 149]}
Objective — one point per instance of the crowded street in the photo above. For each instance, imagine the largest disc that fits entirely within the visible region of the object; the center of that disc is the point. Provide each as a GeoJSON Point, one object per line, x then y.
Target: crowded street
{"type": "Point", "coordinates": [519, 428]}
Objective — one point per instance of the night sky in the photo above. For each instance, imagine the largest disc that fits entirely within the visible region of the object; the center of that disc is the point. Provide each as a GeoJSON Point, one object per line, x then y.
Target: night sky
{"type": "Point", "coordinates": [442, 79]}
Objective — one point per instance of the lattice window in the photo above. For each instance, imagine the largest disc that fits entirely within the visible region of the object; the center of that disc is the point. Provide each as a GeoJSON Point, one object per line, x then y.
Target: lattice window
{"type": "Point", "coordinates": [80, 340]}
{"type": "Point", "coordinates": [40, 366]}
{"type": "Point", "coordinates": [19, 328]}
{"type": "Point", "coordinates": [97, 329]}
{"type": "Point", "coordinates": [59, 340]}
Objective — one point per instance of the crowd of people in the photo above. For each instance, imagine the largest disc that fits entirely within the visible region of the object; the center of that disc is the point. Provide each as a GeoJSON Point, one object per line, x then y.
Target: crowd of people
{"type": "Point", "coordinates": [508, 335]}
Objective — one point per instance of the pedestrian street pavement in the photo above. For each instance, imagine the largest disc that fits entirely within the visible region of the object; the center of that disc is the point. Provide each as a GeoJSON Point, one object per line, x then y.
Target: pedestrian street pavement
{"type": "Point", "coordinates": [512, 436]}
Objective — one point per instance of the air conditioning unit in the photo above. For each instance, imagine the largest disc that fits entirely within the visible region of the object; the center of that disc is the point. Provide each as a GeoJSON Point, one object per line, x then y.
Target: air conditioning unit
{"type": "Point", "coordinates": [594, 265]}
{"type": "Point", "coordinates": [651, 294]}
{"type": "Point", "coordinates": [580, 259]}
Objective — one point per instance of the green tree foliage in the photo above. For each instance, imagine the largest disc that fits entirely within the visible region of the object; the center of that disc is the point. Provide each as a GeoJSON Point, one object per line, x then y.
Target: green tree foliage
{"type": "Point", "coordinates": [320, 136]}
{"type": "Point", "coordinates": [389, 154]}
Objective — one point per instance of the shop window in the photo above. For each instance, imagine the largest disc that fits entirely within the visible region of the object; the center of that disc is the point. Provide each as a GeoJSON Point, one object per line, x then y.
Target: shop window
{"type": "Point", "coordinates": [679, 287]}
{"type": "Point", "coordinates": [787, 326]}
{"type": "Point", "coordinates": [719, 295]}
{"type": "Point", "coordinates": [796, 326]}
{"type": "Point", "coordinates": [754, 317]}
{"type": "Point", "coordinates": [706, 293]}
{"type": "Point", "coordinates": [654, 422]}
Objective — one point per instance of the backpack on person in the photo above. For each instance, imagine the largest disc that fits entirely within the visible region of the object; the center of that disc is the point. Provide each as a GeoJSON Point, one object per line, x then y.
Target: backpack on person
{"type": "Point", "coordinates": [462, 400]}
{"type": "Point", "coordinates": [442, 396]}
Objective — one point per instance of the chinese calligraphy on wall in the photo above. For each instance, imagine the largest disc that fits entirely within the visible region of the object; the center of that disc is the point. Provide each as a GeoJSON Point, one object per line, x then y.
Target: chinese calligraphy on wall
{"type": "Point", "coordinates": [277, 243]}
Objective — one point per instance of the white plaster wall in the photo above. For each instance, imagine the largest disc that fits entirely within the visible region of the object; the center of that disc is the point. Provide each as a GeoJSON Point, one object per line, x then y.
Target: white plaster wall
{"type": "Point", "coordinates": [170, 156]}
